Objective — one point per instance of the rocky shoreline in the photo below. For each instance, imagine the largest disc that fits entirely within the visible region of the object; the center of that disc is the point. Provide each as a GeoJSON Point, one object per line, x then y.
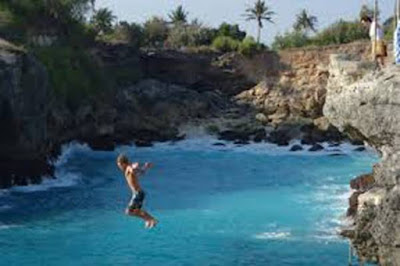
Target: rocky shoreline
{"type": "Point", "coordinates": [365, 102]}
{"type": "Point", "coordinates": [221, 92]}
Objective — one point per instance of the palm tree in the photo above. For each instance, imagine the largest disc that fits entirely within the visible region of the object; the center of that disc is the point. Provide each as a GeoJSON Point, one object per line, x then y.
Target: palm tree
{"type": "Point", "coordinates": [93, 5]}
{"type": "Point", "coordinates": [305, 22]}
{"type": "Point", "coordinates": [367, 11]}
{"type": "Point", "coordinates": [259, 12]}
{"type": "Point", "coordinates": [103, 20]}
{"type": "Point", "coordinates": [179, 15]}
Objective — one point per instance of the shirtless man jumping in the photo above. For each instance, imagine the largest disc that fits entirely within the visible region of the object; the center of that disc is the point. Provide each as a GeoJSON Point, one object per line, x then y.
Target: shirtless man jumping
{"type": "Point", "coordinates": [132, 172]}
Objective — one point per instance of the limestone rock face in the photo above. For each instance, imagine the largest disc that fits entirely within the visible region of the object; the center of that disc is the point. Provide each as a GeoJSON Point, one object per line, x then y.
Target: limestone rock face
{"type": "Point", "coordinates": [366, 103]}
{"type": "Point", "coordinates": [24, 91]}
{"type": "Point", "coordinates": [294, 87]}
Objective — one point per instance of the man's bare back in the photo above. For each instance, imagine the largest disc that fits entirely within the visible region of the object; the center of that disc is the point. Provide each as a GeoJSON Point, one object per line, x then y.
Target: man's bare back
{"type": "Point", "coordinates": [132, 172]}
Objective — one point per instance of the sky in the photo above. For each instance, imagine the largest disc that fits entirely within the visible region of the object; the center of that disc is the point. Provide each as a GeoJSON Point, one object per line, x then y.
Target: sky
{"type": "Point", "coordinates": [214, 12]}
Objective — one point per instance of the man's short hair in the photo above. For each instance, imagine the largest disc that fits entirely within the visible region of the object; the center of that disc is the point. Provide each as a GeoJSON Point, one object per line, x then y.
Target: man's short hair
{"type": "Point", "coordinates": [366, 18]}
{"type": "Point", "coordinates": [122, 159]}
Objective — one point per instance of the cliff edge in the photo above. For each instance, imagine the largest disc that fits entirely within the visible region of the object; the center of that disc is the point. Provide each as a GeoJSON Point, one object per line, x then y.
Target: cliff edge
{"type": "Point", "coordinates": [366, 102]}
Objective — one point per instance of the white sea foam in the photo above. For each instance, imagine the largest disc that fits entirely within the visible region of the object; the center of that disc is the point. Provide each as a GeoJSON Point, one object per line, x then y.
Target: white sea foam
{"type": "Point", "coordinates": [8, 226]}
{"type": "Point", "coordinates": [206, 143]}
{"type": "Point", "coordinates": [61, 180]}
{"type": "Point", "coordinates": [273, 235]}
{"type": "Point", "coordinates": [195, 142]}
{"type": "Point", "coordinates": [68, 151]}
{"type": "Point", "coordinates": [330, 225]}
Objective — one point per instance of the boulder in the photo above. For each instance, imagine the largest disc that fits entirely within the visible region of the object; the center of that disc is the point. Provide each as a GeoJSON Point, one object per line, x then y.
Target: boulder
{"type": "Point", "coordinates": [219, 144]}
{"type": "Point", "coordinates": [262, 118]}
{"type": "Point", "coordinates": [363, 182]}
{"type": "Point", "coordinates": [279, 137]}
{"type": "Point", "coordinates": [296, 148]}
{"type": "Point", "coordinates": [360, 149]}
{"type": "Point", "coordinates": [259, 135]}
{"type": "Point", "coordinates": [316, 147]}
{"type": "Point", "coordinates": [231, 135]}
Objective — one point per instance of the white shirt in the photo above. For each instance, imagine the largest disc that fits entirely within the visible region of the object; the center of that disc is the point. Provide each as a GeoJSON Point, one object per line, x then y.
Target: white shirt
{"type": "Point", "coordinates": [379, 32]}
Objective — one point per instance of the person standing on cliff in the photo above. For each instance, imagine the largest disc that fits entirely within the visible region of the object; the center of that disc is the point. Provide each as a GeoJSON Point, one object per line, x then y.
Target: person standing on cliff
{"type": "Point", "coordinates": [379, 49]}
{"type": "Point", "coordinates": [132, 172]}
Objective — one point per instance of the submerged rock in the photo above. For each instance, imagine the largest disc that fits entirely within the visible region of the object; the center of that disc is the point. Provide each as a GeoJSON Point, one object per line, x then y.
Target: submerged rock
{"type": "Point", "coordinates": [360, 149]}
{"type": "Point", "coordinates": [241, 142]}
{"type": "Point", "coordinates": [336, 154]}
{"type": "Point", "coordinates": [219, 144]}
{"type": "Point", "coordinates": [331, 145]}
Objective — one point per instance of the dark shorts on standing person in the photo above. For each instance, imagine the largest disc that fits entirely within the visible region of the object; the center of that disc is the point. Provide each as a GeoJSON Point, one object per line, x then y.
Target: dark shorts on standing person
{"type": "Point", "coordinates": [136, 202]}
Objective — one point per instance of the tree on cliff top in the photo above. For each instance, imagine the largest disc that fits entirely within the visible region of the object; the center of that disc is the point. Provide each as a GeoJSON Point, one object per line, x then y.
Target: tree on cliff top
{"type": "Point", "coordinates": [179, 15]}
{"type": "Point", "coordinates": [305, 22]}
{"type": "Point", "coordinates": [49, 13]}
{"type": "Point", "coordinates": [102, 21]}
{"type": "Point", "coordinates": [232, 31]}
{"type": "Point", "coordinates": [259, 12]}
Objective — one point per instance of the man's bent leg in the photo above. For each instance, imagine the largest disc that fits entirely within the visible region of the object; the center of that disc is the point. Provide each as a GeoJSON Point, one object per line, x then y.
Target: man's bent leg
{"type": "Point", "coordinates": [142, 214]}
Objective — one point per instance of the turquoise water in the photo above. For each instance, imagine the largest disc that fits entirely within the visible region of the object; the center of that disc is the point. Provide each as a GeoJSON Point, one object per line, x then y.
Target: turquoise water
{"type": "Point", "coordinates": [252, 205]}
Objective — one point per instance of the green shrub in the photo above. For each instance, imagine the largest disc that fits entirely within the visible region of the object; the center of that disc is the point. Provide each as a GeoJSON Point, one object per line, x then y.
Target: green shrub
{"type": "Point", "coordinates": [338, 33]}
{"type": "Point", "coordinates": [290, 40]}
{"type": "Point", "coordinates": [182, 35]}
{"type": "Point", "coordinates": [225, 44]}
{"type": "Point", "coordinates": [155, 32]}
{"type": "Point", "coordinates": [73, 74]}
{"type": "Point", "coordinates": [341, 32]}
{"type": "Point", "coordinates": [232, 31]}
{"type": "Point", "coordinates": [131, 34]}
{"type": "Point", "coordinates": [388, 28]}
{"type": "Point", "coordinates": [45, 15]}
{"type": "Point", "coordinates": [249, 47]}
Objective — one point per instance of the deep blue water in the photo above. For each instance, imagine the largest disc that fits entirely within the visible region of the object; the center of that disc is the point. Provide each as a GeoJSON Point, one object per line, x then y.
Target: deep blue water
{"type": "Point", "coordinates": [253, 205]}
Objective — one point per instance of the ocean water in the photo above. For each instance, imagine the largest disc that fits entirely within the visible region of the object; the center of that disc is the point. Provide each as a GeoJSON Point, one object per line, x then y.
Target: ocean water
{"type": "Point", "coordinates": [249, 205]}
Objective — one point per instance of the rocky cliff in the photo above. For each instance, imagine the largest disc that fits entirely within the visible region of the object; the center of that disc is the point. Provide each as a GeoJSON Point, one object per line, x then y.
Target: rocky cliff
{"type": "Point", "coordinates": [291, 93]}
{"type": "Point", "coordinates": [295, 84]}
{"type": "Point", "coordinates": [24, 98]}
{"type": "Point", "coordinates": [366, 102]}
{"type": "Point", "coordinates": [155, 94]}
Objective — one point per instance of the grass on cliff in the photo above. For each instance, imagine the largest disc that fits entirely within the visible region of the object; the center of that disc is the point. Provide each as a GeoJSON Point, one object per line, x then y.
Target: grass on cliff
{"type": "Point", "coordinates": [74, 76]}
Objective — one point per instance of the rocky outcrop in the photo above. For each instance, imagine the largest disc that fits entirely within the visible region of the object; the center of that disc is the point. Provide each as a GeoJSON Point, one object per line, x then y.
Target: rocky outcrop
{"type": "Point", "coordinates": [145, 112]}
{"type": "Point", "coordinates": [155, 95]}
{"type": "Point", "coordinates": [199, 72]}
{"type": "Point", "coordinates": [294, 90]}
{"type": "Point", "coordinates": [366, 103]}
{"type": "Point", "coordinates": [24, 92]}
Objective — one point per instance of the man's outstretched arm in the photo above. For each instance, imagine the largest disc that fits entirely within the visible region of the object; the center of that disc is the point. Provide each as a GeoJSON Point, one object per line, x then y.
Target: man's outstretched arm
{"type": "Point", "coordinates": [143, 169]}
